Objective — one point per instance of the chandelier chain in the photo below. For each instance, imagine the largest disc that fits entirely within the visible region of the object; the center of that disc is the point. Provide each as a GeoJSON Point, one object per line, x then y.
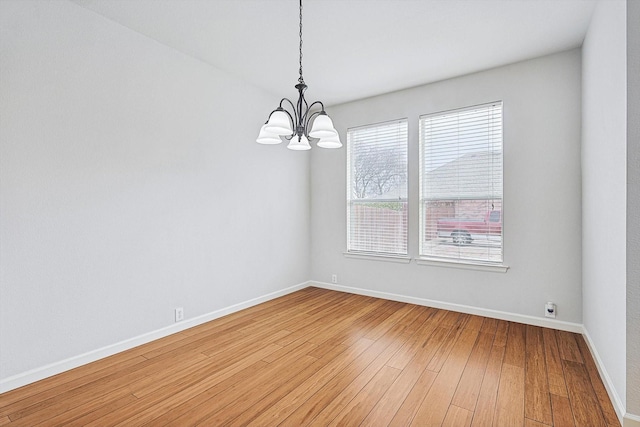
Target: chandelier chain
{"type": "Point", "coordinates": [301, 80]}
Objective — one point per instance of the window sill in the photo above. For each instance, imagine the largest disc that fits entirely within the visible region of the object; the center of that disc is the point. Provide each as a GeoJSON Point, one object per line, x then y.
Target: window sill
{"type": "Point", "coordinates": [378, 257]}
{"type": "Point", "coordinates": [462, 265]}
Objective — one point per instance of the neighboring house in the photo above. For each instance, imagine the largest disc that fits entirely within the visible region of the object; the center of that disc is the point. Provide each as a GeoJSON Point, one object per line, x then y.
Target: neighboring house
{"type": "Point", "coordinates": [481, 190]}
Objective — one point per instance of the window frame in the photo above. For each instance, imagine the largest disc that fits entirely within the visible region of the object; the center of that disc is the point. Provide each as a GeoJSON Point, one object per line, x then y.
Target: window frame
{"type": "Point", "coordinates": [397, 256]}
{"type": "Point", "coordinates": [429, 258]}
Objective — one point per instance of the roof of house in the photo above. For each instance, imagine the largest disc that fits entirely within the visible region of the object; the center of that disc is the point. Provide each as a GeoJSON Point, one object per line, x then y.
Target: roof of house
{"type": "Point", "coordinates": [470, 176]}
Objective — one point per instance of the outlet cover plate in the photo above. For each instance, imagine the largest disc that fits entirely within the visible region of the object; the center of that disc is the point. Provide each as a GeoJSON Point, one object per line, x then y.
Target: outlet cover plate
{"type": "Point", "coordinates": [550, 310]}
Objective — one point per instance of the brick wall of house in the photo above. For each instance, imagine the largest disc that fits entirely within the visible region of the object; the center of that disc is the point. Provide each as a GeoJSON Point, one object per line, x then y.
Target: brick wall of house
{"type": "Point", "coordinates": [472, 209]}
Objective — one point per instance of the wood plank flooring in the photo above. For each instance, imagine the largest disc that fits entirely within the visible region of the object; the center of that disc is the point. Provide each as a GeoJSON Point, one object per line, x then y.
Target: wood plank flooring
{"type": "Point", "coordinates": [326, 358]}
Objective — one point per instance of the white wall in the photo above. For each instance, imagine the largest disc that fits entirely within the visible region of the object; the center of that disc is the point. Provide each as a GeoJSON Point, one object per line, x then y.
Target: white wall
{"type": "Point", "coordinates": [604, 206]}
{"type": "Point", "coordinates": [541, 192]}
{"type": "Point", "coordinates": [131, 184]}
{"type": "Point", "coordinates": [633, 207]}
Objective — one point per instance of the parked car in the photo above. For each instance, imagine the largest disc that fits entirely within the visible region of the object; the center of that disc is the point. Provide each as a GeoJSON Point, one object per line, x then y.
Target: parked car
{"type": "Point", "coordinates": [463, 231]}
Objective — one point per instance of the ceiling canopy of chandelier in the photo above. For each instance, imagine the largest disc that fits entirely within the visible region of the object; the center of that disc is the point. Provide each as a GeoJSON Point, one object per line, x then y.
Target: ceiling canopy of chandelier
{"type": "Point", "coordinates": [300, 125]}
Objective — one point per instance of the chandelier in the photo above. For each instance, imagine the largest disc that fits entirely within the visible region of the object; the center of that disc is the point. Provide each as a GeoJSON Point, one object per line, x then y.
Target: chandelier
{"type": "Point", "coordinates": [300, 125]}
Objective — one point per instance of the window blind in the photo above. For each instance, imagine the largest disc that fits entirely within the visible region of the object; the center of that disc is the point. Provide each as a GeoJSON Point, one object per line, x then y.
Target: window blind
{"type": "Point", "coordinates": [377, 188]}
{"type": "Point", "coordinates": [461, 184]}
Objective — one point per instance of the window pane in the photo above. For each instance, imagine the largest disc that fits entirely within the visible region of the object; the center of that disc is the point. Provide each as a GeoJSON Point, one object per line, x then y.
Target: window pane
{"type": "Point", "coordinates": [378, 227]}
{"type": "Point", "coordinates": [461, 184]}
{"type": "Point", "coordinates": [377, 188]}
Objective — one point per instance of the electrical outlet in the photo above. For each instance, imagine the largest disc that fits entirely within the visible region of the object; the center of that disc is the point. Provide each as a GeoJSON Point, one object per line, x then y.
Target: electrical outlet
{"type": "Point", "coordinates": [179, 314]}
{"type": "Point", "coordinates": [550, 310]}
{"type": "Point", "coordinates": [334, 278]}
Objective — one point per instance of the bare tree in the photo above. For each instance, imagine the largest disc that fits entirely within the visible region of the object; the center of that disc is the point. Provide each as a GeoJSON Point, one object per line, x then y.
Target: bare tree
{"type": "Point", "coordinates": [376, 171]}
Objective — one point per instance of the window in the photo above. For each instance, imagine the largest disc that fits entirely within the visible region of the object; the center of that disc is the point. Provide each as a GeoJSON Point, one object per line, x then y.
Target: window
{"type": "Point", "coordinates": [377, 189]}
{"type": "Point", "coordinates": [461, 185]}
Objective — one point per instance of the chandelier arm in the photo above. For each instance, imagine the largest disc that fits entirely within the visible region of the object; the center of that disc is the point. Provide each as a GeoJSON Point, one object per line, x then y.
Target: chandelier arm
{"type": "Point", "coordinates": [304, 113]}
{"type": "Point", "coordinates": [312, 115]}
{"type": "Point", "coordinates": [287, 100]}
{"type": "Point", "coordinates": [314, 103]}
{"type": "Point", "coordinates": [294, 119]}
{"type": "Point", "coordinates": [273, 111]}
{"type": "Point", "coordinates": [309, 117]}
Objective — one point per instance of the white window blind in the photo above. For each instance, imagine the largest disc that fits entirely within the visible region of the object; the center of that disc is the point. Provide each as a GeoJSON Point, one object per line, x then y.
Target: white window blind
{"type": "Point", "coordinates": [377, 188]}
{"type": "Point", "coordinates": [461, 184]}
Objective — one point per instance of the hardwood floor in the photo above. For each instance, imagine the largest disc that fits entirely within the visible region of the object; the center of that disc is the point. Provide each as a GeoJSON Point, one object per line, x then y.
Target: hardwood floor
{"type": "Point", "coordinates": [325, 358]}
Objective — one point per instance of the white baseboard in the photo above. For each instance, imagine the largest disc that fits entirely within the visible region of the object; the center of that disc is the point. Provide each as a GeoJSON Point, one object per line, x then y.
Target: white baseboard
{"type": "Point", "coordinates": [10, 383]}
{"type": "Point", "coordinates": [631, 420]}
{"type": "Point", "coordinates": [627, 420]}
{"type": "Point", "coordinates": [46, 371]}
{"type": "Point", "coordinates": [496, 314]}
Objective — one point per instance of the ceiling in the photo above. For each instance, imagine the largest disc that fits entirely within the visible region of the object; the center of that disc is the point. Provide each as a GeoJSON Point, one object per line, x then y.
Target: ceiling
{"type": "Point", "coordinates": [354, 48]}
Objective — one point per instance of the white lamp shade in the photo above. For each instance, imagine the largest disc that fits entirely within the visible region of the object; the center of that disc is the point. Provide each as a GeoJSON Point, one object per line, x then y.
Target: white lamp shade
{"type": "Point", "coordinates": [322, 127]}
{"type": "Point", "coordinates": [267, 137]}
{"type": "Point", "coordinates": [299, 143]}
{"type": "Point", "coordinates": [330, 142]}
{"type": "Point", "coordinates": [279, 124]}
